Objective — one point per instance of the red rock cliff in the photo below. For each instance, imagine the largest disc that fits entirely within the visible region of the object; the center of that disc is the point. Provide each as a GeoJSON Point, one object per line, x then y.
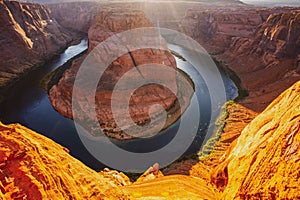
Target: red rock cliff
{"type": "Point", "coordinates": [260, 47]}
{"type": "Point", "coordinates": [28, 37]}
{"type": "Point", "coordinates": [34, 167]}
{"type": "Point", "coordinates": [256, 45]}
{"type": "Point", "coordinates": [75, 16]}
{"type": "Point", "coordinates": [106, 24]}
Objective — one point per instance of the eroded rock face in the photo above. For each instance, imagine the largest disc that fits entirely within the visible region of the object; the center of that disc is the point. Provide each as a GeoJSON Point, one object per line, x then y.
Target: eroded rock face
{"type": "Point", "coordinates": [260, 45]}
{"type": "Point", "coordinates": [215, 28]}
{"type": "Point", "coordinates": [167, 14]}
{"type": "Point", "coordinates": [34, 167]}
{"type": "Point", "coordinates": [280, 35]}
{"type": "Point", "coordinates": [264, 163]}
{"type": "Point", "coordinates": [75, 16]}
{"type": "Point", "coordinates": [107, 24]}
{"type": "Point", "coordinates": [262, 60]}
{"type": "Point", "coordinates": [28, 37]}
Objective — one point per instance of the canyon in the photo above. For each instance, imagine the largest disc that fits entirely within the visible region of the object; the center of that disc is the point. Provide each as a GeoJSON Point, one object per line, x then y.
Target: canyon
{"type": "Point", "coordinates": [256, 155]}
{"type": "Point", "coordinates": [105, 25]}
{"type": "Point", "coordinates": [263, 163]}
{"type": "Point", "coordinates": [270, 51]}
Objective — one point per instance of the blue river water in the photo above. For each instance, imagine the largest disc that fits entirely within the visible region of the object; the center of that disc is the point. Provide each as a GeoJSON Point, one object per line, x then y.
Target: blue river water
{"type": "Point", "coordinates": [28, 104]}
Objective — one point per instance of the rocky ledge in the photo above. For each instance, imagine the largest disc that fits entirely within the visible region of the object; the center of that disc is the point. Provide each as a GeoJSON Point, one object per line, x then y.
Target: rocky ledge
{"type": "Point", "coordinates": [29, 37]}
{"type": "Point", "coordinates": [262, 49]}
{"type": "Point", "coordinates": [262, 164]}
{"type": "Point", "coordinates": [34, 167]}
{"type": "Point", "coordinates": [107, 24]}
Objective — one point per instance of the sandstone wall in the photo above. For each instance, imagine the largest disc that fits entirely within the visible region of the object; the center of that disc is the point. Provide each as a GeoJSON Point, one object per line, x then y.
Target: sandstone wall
{"type": "Point", "coordinates": [264, 163]}
{"type": "Point", "coordinates": [260, 47]}
{"type": "Point", "coordinates": [75, 16]}
{"type": "Point", "coordinates": [34, 167]}
{"type": "Point", "coordinates": [29, 36]}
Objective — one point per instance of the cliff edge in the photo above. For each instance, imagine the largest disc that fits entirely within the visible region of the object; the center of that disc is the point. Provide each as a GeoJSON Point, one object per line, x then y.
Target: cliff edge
{"type": "Point", "coordinates": [262, 164]}
{"type": "Point", "coordinates": [265, 162]}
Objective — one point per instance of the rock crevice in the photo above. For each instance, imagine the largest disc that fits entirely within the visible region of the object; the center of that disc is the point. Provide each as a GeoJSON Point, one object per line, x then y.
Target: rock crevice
{"type": "Point", "coordinates": [107, 24]}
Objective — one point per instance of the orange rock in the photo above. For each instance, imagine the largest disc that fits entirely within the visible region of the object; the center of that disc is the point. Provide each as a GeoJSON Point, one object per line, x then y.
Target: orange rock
{"type": "Point", "coordinates": [264, 163]}
{"type": "Point", "coordinates": [173, 187]}
{"type": "Point", "coordinates": [239, 117]}
{"type": "Point", "coordinates": [150, 174]}
{"type": "Point", "coordinates": [119, 178]}
{"type": "Point", "coordinates": [34, 167]}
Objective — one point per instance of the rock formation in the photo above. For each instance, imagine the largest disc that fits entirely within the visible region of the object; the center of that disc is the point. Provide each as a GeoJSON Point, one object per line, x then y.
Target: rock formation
{"type": "Point", "coordinates": [34, 167]}
{"type": "Point", "coordinates": [266, 60]}
{"type": "Point", "coordinates": [263, 163]}
{"type": "Point", "coordinates": [106, 24]}
{"type": "Point", "coordinates": [76, 16]}
{"type": "Point", "coordinates": [28, 38]}
{"type": "Point", "coordinates": [260, 47]}
{"type": "Point", "coordinates": [252, 160]}
{"type": "Point", "coordinates": [168, 14]}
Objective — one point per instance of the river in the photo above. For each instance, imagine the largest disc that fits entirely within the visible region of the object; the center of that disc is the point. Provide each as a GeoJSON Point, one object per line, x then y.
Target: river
{"type": "Point", "coordinates": [28, 104]}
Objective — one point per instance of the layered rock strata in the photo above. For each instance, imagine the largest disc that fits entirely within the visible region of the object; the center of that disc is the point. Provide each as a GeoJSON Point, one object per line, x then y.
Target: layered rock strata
{"type": "Point", "coordinates": [35, 167]}
{"type": "Point", "coordinates": [260, 45]}
{"type": "Point", "coordinates": [262, 164]}
{"type": "Point", "coordinates": [257, 46]}
{"type": "Point", "coordinates": [105, 25]}
{"type": "Point", "coordinates": [76, 16]}
{"type": "Point", "coordinates": [29, 36]}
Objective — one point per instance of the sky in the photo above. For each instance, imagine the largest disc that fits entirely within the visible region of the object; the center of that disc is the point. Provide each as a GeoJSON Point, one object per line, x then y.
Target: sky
{"type": "Point", "coordinates": [286, 2]}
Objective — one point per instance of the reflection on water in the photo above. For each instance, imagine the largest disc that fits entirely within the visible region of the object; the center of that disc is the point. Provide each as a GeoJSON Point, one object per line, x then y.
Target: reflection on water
{"type": "Point", "coordinates": [29, 105]}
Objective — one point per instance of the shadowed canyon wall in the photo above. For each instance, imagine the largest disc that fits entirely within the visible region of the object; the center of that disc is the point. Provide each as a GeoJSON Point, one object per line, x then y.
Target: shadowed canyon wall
{"type": "Point", "coordinates": [264, 40]}
{"type": "Point", "coordinates": [29, 36]}
{"type": "Point", "coordinates": [75, 16]}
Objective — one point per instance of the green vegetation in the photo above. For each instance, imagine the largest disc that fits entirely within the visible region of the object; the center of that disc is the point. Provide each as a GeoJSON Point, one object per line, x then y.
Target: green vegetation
{"type": "Point", "coordinates": [207, 149]}
{"type": "Point", "coordinates": [235, 78]}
